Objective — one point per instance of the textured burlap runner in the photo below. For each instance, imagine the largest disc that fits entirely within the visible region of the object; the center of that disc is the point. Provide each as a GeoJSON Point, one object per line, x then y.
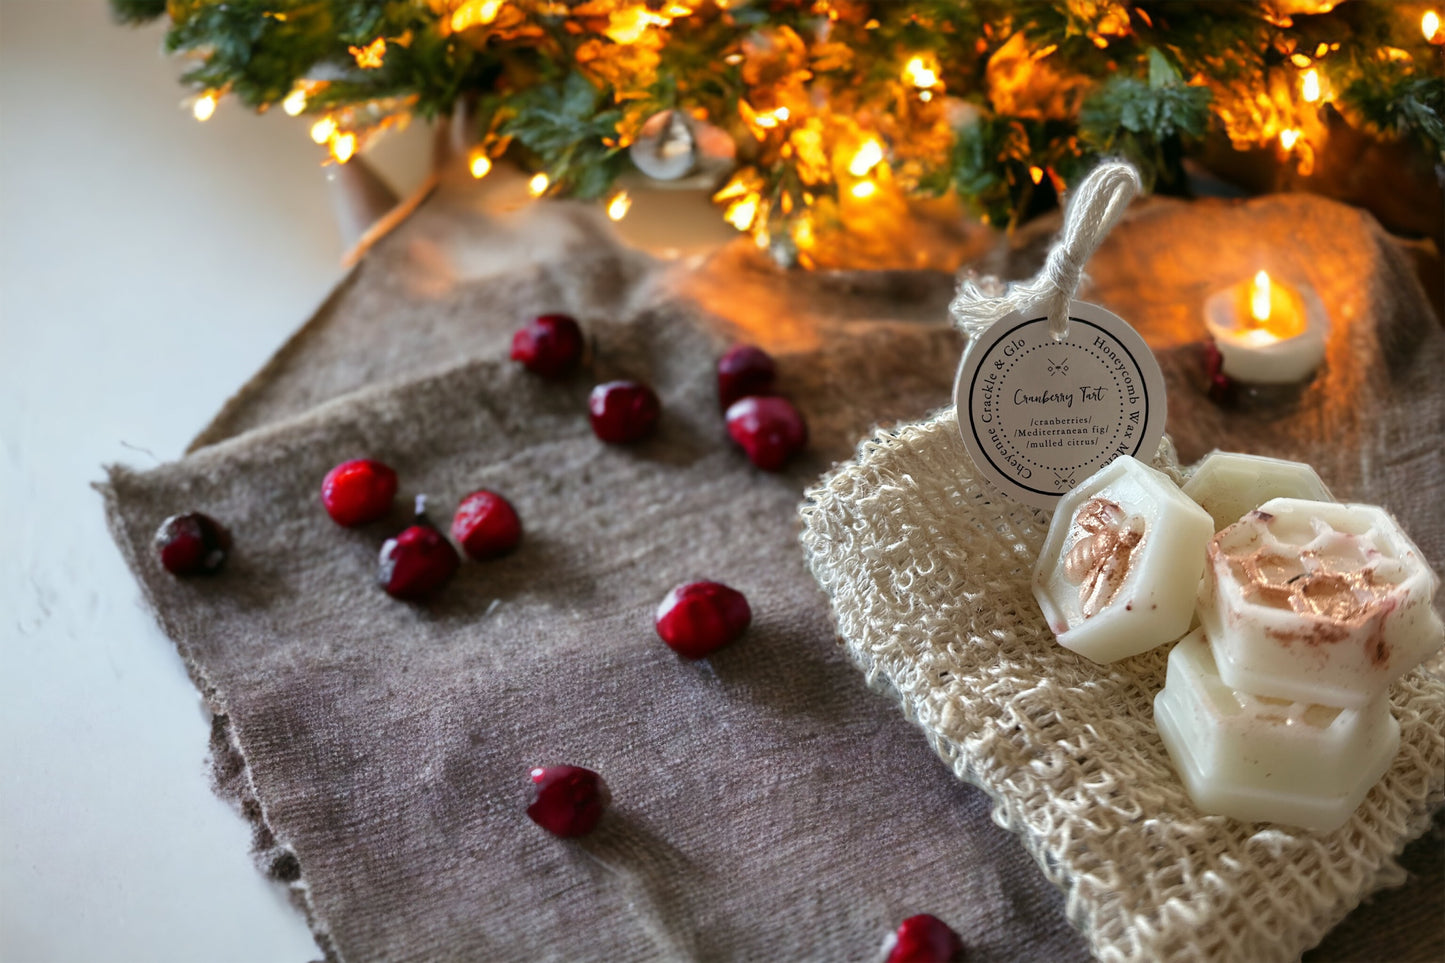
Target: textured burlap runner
{"type": "Point", "coordinates": [767, 807]}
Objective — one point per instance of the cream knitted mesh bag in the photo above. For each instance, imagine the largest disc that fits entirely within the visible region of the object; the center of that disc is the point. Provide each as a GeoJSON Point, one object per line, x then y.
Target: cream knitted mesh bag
{"type": "Point", "coordinates": [928, 570]}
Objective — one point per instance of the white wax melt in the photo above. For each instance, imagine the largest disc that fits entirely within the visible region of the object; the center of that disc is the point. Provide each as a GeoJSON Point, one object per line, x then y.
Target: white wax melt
{"type": "Point", "coordinates": [1257, 758]}
{"type": "Point", "coordinates": [1119, 571]}
{"type": "Point", "coordinates": [1227, 484]}
{"type": "Point", "coordinates": [1317, 602]}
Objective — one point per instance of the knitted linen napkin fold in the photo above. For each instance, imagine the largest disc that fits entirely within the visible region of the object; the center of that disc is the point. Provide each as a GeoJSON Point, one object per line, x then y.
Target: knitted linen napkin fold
{"type": "Point", "coordinates": [765, 807]}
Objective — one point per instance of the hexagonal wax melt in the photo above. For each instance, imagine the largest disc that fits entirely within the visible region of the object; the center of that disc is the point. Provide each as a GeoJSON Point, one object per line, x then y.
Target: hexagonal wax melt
{"type": "Point", "coordinates": [1227, 484]}
{"type": "Point", "coordinates": [1257, 758]}
{"type": "Point", "coordinates": [1318, 602]}
{"type": "Point", "coordinates": [1119, 571]}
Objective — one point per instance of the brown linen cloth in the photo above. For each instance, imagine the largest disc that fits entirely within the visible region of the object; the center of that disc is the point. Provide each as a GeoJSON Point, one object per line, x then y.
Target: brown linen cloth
{"type": "Point", "coordinates": [767, 806]}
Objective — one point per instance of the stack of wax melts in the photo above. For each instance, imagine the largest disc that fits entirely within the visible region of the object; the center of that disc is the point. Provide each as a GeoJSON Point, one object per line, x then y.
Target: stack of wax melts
{"type": "Point", "coordinates": [1275, 705]}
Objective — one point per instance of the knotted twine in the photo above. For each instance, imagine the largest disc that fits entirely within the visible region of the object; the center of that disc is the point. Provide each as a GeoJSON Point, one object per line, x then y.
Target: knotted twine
{"type": "Point", "coordinates": [1091, 212]}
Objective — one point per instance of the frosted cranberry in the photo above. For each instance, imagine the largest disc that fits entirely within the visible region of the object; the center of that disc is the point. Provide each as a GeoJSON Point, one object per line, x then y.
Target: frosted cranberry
{"type": "Point", "coordinates": [698, 618]}
{"type": "Point", "coordinates": [567, 800]}
{"type": "Point", "coordinates": [623, 411]}
{"type": "Point", "coordinates": [417, 562]}
{"type": "Point", "coordinates": [192, 544]}
{"type": "Point", "coordinates": [770, 430]}
{"type": "Point", "coordinates": [550, 345]}
{"type": "Point", "coordinates": [924, 939]}
{"type": "Point", "coordinates": [486, 525]}
{"type": "Point", "coordinates": [744, 370]}
{"type": "Point", "coordinates": [359, 491]}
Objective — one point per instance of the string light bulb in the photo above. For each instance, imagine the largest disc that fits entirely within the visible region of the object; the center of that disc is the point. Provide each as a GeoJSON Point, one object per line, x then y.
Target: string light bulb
{"type": "Point", "coordinates": [741, 213]}
{"type": "Point", "coordinates": [294, 103]}
{"type": "Point", "coordinates": [864, 190]}
{"type": "Point", "coordinates": [1430, 25]}
{"type": "Point", "coordinates": [1288, 138]}
{"type": "Point", "coordinates": [918, 73]}
{"type": "Point", "coordinates": [343, 146]}
{"type": "Point", "coordinates": [538, 185]}
{"type": "Point", "coordinates": [475, 13]}
{"type": "Point", "coordinates": [479, 163]}
{"type": "Point", "coordinates": [322, 130]}
{"type": "Point", "coordinates": [1310, 86]}
{"type": "Point", "coordinates": [618, 207]}
{"type": "Point", "coordinates": [866, 159]}
{"type": "Point", "coordinates": [205, 106]}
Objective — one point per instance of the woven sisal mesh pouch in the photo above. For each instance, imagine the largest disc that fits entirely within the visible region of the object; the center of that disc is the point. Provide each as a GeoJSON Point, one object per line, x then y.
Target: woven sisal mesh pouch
{"type": "Point", "coordinates": [928, 571]}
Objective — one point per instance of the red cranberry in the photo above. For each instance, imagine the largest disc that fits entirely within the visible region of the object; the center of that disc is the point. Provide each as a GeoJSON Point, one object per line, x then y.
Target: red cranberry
{"type": "Point", "coordinates": [486, 525]}
{"type": "Point", "coordinates": [770, 430]}
{"type": "Point", "coordinates": [192, 544]}
{"type": "Point", "coordinates": [359, 491]}
{"type": "Point", "coordinates": [744, 370]}
{"type": "Point", "coordinates": [623, 411]}
{"type": "Point", "coordinates": [417, 562]}
{"type": "Point", "coordinates": [924, 939]}
{"type": "Point", "coordinates": [550, 345]}
{"type": "Point", "coordinates": [567, 800]}
{"type": "Point", "coordinates": [698, 618]}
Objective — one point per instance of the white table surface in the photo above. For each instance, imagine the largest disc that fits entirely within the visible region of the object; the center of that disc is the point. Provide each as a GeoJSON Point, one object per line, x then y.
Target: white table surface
{"type": "Point", "coordinates": [148, 265]}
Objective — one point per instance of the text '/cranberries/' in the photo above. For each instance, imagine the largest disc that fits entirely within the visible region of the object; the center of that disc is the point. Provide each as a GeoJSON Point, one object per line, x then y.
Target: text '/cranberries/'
{"type": "Point", "coordinates": [420, 560]}
{"type": "Point", "coordinates": [698, 618]}
{"type": "Point", "coordinates": [623, 411]}
{"type": "Point", "coordinates": [924, 939]}
{"type": "Point", "coordinates": [192, 544]}
{"type": "Point", "coordinates": [770, 430]}
{"type": "Point", "coordinates": [550, 345]}
{"type": "Point", "coordinates": [486, 525]}
{"type": "Point", "coordinates": [567, 800]}
{"type": "Point", "coordinates": [358, 491]}
{"type": "Point", "coordinates": [744, 370]}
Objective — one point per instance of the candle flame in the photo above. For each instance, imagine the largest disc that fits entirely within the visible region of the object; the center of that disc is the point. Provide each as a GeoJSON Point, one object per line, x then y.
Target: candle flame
{"type": "Point", "coordinates": [1310, 86]}
{"type": "Point", "coordinates": [479, 163]}
{"type": "Point", "coordinates": [294, 103]}
{"type": "Point", "coordinates": [867, 157]}
{"type": "Point", "coordinates": [204, 106]}
{"type": "Point", "coordinates": [1259, 298]}
{"type": "Point", "coordinates": [1430, 25]}
{"type": "Point", "coordinates": [619, 205]}
{"type": "Point", "coordinates": [538, 185]}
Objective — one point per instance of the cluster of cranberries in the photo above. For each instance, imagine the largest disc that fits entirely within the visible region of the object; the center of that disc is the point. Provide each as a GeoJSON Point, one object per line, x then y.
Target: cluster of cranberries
{"type": "Point", "coordinates": [418, 561]}
{"type": "Point", "coordinates": [695, 619]}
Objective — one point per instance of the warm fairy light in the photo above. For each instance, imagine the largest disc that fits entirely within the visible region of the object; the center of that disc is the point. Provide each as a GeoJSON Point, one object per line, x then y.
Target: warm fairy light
{"type": "Point", "coordinates": [479, 163]}
{"type": "Point", "coordinates": [1288, 138]}
{"type": "Point", "coordinates": [1259, 298]}
{"type": "Point", "coordinates": [867, 157]}
{"type": "Point", "coordinates": [741, 213]}
{"type": "Point", "coordinates": [618, 207]}
{"type": "Point", "coordinates": [918, 73]}
{"type": "Point", "coordinates": [205, 106]}
{"type": "Point", "coordinates": [1321, 50]}
{"type": "Point", "coordinates": [772, 118]}
{"type": "Point", "coordinates": [370, 56]}
{"type": "Point", "coordinates": [1310, 86]}
{"type": "Point", "coordinates": [343, 146]}
{"type": "Point", "coordinates": [925, 95]}
{"type": "Point", "coordinates": [628, 25]}
{"type": "Point", "coordinates": [864, 189]}
{"type": "Point", "coordinates": [1299, 60]}
{"type": "Point", "coordinates": [295, 102]}
{"type": "Point", "coordinates": [475, 13]}
{"type": "Point", "coordinates": [1036, 174]}
{"type": "Point", "coordinates": [322, 130]}
{"type": "Point", "coordinates": [1430, 25]}
{"type": "Point", "coordinates": [538, 185]}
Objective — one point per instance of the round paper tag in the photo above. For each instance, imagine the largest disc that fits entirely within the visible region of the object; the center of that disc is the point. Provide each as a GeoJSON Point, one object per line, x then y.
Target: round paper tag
{"type": "Point", "coordinates": [1038, 416]}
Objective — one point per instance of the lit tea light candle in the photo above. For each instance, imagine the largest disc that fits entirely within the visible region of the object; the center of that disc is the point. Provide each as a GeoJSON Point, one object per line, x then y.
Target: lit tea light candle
{"type": "Point", "coordinates": [1267, 332]}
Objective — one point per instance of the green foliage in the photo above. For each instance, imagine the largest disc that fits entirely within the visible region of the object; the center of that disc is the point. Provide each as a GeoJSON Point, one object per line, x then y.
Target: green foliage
{"type": "Point", "coordinates": [564, 124]}
{"type": "Point", "coordinates": [1141, 120]}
